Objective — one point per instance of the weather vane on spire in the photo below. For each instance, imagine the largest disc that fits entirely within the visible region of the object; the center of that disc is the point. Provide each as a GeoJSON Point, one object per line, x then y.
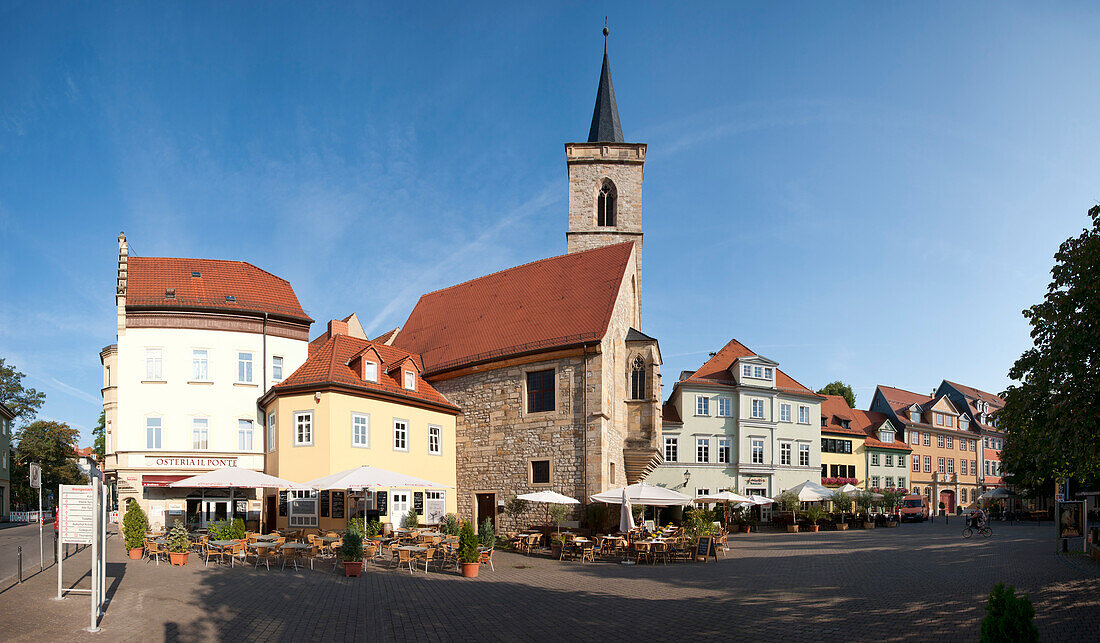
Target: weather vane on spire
{"type": "Point", "coordinates": [606, 31]}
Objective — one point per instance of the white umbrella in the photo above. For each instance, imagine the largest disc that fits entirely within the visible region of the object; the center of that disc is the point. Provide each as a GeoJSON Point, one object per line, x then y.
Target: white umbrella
{"type": "Point", "coordinates": [723, 496]}
{"type": "Point", "coordinates": [643, 494]}
{"type": "Point", "coordinates": [810, 491]}
{"type": "Point", "coordinates": [550, 498]}
{"type": "Point", "coordinates": [849, 489]}
{"type": "Point", "coordinates": [760, 500]}
{"type": "Point", "coordinates": [237, 478]}
{"type": "Point", "coordinates": [996, 493]}
{"type": "Point", "coordinates": [368, 477]}
{"type": "Point", "coordinates": [626, 515]}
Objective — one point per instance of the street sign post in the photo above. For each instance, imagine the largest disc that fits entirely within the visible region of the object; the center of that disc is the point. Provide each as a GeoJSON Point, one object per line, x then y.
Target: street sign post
{"type": "Point", "coordinates": [36, 483]}
{"type": "Point", "coordinates": [82, 520]}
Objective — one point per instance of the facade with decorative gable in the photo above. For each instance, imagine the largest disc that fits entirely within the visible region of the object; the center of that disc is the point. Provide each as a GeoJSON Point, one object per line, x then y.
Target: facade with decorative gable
{"type": "Point", "coordinates": [981, 408]}
{"type": "Point", "coordinates": [557, 386]}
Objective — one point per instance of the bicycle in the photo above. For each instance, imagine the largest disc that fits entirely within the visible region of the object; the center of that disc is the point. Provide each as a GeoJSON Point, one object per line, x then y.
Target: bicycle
{"type": "Point", "coordinates": [984, 530]}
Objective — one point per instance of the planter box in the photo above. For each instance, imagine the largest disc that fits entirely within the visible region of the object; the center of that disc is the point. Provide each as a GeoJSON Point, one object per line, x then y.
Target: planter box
{"type": "Point", "coordinates": [814, 528]}
{"type": "Point", "coordinates": [842, 526]}
{"type": "Point", "coordinates": [891, 523]}
{"type": "Point", "coordinates": [469, 570]}
{"type": "Point", "coordinates": [868, 525]}
{"type": "Point", "coordinates": [792, 529]}
{"type": "Point", "coordinates": [353, 568]}
{"type": "Point", "coordinates": [136, 553]}
{"type": "Point", "coordinates": [177, 558]}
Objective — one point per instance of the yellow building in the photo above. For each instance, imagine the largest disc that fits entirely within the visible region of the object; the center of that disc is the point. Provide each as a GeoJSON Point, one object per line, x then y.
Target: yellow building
{"type": "Point", "coordinates": [356, 402]}
{"type": "Point", "coordinates": [842, 437]}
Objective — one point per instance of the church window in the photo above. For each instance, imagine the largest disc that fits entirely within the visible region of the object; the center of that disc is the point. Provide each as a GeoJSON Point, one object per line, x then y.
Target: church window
{"type": "Point", "coordinates": [605, 204]}
{"type": "Point", "coordinates": [637, 379]}
{"type": "Point", "coordinates": [540, 391]}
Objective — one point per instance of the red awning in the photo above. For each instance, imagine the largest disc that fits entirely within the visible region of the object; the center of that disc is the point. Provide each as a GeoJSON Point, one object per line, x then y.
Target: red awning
{"type": "Point", "coordinates": [160, 481]}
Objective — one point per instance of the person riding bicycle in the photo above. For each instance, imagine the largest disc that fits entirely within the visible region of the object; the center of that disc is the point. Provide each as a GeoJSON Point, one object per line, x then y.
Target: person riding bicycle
{"type": "Point", "coordinates": [977, 518]}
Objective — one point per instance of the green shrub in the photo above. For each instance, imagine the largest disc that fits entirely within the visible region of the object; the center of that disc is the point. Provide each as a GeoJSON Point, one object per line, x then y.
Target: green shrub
{"type": "Point", "coordinates": [814, 514]}
{"type": "Point", "coordinates": [372, 529]}
{"type": "Point", "coordinates": [790, 502]}
{"type": "Point", "coordinates": [514, 508]}
{"type": "Point", "coordinates": [467, 544]}
{"type": "Point", "coordinates": [557, 514]}
{"type": "Point", "coordinates": [178, 540]}
{"type": "Point", "coordinates": [134, 526]}
{"type": "Point", "coordinates": [355, 526]}
{"type": "Point", "coordinates": [1008, 617]}
{"type": "Point", "coordinates": [449, 525]}
{"type": "Point", "coordinates": [412, 521]}
{"type": "Point", "coordinates": [697, 523]}
{"type": "Point", "coordinates": [486, 535]}
{"type": "Point", "coordinates": [351, 547]}
{"type": "Point", "coordinates": [842, 502]}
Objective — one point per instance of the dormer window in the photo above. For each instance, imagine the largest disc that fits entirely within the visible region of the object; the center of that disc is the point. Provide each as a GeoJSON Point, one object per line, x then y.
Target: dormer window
{"type": "Point", "coordinates": [887, 437]}
{"type": "Point", "coordinates": [370, 371]}
{"type": "Point", "coordinates": [846, 424]}
{"type": "Point", "coordinates": [169, 293]}
{"type": "Point", "coordinates": [964, 424]}
{"type": "Point", "coordinates": [914, 416]}
{"type": "Point", "coordinates": [410, 380]}
{"type": "Point", "coordinates": [746, 370]}
{"type": "Point", "coordinates": [767, 373]}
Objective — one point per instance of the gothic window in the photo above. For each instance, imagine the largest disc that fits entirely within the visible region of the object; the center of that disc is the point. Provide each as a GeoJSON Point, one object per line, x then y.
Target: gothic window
{"type": "Point", "coordinates": [637, 379]}
{"type": "Point", "coordinates": [605, 204]}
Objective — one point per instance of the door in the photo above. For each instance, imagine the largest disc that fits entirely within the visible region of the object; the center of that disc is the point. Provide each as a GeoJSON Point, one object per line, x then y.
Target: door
{"type": "Point", "coordinates": [487, 508]}
{"type": "Point", "coordinates": [435, 506]}
{"type": "Point", "coordinates": [270, 513]}
{"type": "Point", "coordinates": [948, 500]}
{"type": "Point", "coordinates": [399, 506]}
{"type": "Point", "coordinates": [214, 510]}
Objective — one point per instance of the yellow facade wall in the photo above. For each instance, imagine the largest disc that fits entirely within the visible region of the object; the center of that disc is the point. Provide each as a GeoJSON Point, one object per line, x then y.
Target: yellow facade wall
{"type": "Point", "coordinates": [332, 450]}
{"type": "Point", "coordinates": [856, 458]}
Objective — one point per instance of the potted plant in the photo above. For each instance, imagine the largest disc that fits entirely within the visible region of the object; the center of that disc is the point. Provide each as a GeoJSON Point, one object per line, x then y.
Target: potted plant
{"type": "Point", "coordinates": [790, 502]}
{"type": "Point", "coordinates": [178, 544]}
{"type": "Point", "coordinates": [746, 519]}
{"type": "Point", "coordinates": [814, 514]}
{"type": "Point", "coordinates": [557, 514]}
{"type": "Point", "coordinates": [468, 553]}
{"type": "Point", "coordinates": [351, 551]}
{"type": "Point", "coordinates": [514, 508]}
{"type": "Point", "coordinates": [891, 498]}
{"type": "Point", "coordinates": [486, 535]}
{"type": "Point", "coordinates": [557, 543]}
{"type": "Point", "coordinates": [942, 507]}
{"type": "Point", "coordinates": [372, 529]}
{"type": "Point", "coordinates": [134, 527]}
{"type": "Point", "coordinates": [412, 521]}
{"type": "Point", "coordinates": [450, 525]}
{"type": "Point", "coordinates": [864, 500]}
{"type": "Point", "coordinates": [842, 503]}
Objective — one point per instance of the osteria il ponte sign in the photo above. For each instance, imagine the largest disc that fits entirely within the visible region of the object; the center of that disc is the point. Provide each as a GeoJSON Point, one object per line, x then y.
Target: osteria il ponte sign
{"type": "Point", "coordinates": [191, 463]}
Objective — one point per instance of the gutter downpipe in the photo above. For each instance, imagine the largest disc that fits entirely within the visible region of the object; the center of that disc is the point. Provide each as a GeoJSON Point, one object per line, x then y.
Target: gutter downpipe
{"type": "Point", "coordinates": [584, 432]}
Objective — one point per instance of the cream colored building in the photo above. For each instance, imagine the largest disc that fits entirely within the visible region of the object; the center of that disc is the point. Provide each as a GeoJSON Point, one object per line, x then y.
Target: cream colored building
{"type": "Point", "coordinates": [199, 341]}
{"type": "Point", "coordinates": [356, 402]}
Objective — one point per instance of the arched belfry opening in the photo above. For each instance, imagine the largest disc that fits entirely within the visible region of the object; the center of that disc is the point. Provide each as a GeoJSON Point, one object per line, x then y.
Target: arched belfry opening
{"type": "Point", "coordinates": [637, 379]}
{"type": "Point", "coordinates": [605, 204]}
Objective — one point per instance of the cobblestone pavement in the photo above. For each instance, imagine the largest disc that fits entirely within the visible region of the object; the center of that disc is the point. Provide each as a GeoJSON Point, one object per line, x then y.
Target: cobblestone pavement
{"type": "Point", "coordinates": [917, 582]}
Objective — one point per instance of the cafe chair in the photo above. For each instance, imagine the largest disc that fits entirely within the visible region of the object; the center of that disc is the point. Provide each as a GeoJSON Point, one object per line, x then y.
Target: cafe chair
{"type": "Point", "coordinates": [404, 557]}
{"type": "Point", "coordinates": [156, 551]}
{"type": "Point", "coordinates": [293, 554]}
{"type": "Point", "coordinates": [264, 553]}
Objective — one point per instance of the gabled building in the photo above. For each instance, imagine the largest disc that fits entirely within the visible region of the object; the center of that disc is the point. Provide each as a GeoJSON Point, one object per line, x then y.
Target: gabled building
{"type": "Point", "coordinates": [557, 386]}
{"type": "Point", "coordinates": [739, 422]}
{"type": "Point", "coordinates": [862, 448]}
{"type": "Point", "coordinates": [981, 407]}
{"type": "Point", "coordinates": [943, 465]}
{"type": "Point", "coordinates": [356, 402]}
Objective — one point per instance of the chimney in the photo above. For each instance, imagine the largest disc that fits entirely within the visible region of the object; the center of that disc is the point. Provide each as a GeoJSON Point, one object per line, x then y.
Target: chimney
{"type": "Point", "coordinates": [337, 327]}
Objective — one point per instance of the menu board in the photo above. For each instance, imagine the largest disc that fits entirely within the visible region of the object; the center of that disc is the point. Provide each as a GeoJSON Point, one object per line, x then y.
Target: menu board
{"type": "Point", "coordinates": [705, 548]}
{"type": "Point", "coordinates": [418, 502]}
{"type": "Point", "coordinates": [380, 500]}
{"type": "Point", "coordinates": [337, 504]}
{"type": "Point", "coordinates": [323, 502]}
{"type": "Point", "coordinates": [282, 504]}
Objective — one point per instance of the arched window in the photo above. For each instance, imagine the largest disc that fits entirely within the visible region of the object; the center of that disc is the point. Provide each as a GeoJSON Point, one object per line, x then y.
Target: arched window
{"type": "Point", "coordinates": [637, 379]}
{"type": "Point", "coordinates": [605, 204]}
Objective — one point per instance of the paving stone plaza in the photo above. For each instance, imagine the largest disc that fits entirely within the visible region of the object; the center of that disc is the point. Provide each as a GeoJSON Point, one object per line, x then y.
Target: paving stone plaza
{"type": "Point", "coordinates": [916, 582]}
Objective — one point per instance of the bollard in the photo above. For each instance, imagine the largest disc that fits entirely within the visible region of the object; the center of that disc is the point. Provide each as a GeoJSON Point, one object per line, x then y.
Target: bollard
{"type": "Point", "coordinates": [19, 563]}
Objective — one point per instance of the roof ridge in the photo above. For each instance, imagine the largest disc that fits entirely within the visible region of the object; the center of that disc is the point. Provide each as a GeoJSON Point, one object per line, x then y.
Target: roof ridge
{"type": "Point", "coordinates": [238, 261]}
{"type": "Point", "coordinates": [529, 263]}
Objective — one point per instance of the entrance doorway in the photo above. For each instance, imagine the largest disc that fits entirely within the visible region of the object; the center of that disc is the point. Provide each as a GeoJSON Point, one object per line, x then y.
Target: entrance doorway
{"type": "Point", "coordinates": [270, 513]}
{"type": "Point", "coordinates": [948, 500]}
{"type": "Point", "coordinates": [486, 508]}
{"type": "Point", "coordinates": [399, 507]}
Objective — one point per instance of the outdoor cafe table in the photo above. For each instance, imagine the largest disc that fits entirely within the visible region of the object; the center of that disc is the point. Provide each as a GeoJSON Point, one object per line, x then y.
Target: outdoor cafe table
{"type": "Point", "coordinates": [329, 539]}
{"type": "Point", "coordinates": [296, 546]}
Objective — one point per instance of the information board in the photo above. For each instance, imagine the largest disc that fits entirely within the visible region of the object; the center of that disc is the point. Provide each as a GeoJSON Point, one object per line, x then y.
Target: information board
{"type": "Point", "coordinates": [418, 502]}
{"type": "Point", "coordinates": [705, 549]}
{"type": "Point", "coordinates": [282, 504]}
{"type": "Point", "coordinates": [338, 504]}
{"type": "Point", "coordinates": [322, 503]}
{"type": "Point", "coordinates": [76, 518]}
{"type": "Point", "coordinates": [380, 500]}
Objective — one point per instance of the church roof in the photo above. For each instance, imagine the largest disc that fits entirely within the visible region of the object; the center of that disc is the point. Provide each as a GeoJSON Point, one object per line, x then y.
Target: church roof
{"type": "Point", "coordinates": [605, 117]}
{"type": "Point", "coordinates": [551, 303]}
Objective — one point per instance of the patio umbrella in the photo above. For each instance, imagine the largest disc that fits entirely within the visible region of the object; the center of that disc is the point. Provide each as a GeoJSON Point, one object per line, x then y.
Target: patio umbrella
{"type": "Point", "coordinates": [643, 494]}
{"type": "Point", "coordinates": [725, 497]}
{"type": "Point", "coordinates": [236, 478]}
{"type": "Point", "coordinates": [626, 515]}
{"type": "Point", "coordinates": [550, 498]}
{"type": "Point", "coordinates": [810, 491]}
{"type": "Point", "coordinates": [996, 493]}
{"type": "Point", "coordinates": [760, 500]}
{"type": "Point", "coordinates": [849, 489]}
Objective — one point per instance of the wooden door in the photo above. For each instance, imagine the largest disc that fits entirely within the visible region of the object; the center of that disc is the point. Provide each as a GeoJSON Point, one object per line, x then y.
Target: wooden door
{"type": "Point", "coordinates": [271, 512]}
{"type": "Point", "coordinates": [487, 508]}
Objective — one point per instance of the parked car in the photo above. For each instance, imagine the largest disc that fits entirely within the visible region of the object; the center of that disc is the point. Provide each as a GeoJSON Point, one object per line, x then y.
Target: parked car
{"type": "Point", "coordinates": [914, 507]}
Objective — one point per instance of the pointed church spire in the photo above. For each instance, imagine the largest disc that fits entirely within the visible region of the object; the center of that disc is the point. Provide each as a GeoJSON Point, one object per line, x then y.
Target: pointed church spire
{"type": "Point", "coordinates": [605, 117]}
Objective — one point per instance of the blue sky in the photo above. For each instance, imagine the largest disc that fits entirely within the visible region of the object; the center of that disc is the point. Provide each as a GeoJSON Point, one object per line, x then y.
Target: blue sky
{"type": "Point", "coordinates": [863, 191]}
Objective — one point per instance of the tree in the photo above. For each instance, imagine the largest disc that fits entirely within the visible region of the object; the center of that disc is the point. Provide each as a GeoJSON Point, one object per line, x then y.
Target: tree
{"type": "Point", "coordinates": [53, 445]}
{"type": "Point", "coordinates": [24, 402]}
{"type": "Point", "coordinates": [1051, 418]}
{"type": "Point", "coordinates": [99, 432]}
{"type": "Point", "coordinates": [842, 389]}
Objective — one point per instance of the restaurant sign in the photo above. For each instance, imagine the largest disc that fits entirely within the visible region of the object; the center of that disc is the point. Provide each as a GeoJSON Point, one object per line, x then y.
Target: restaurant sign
{"type": "Point", "coordinates": [756, 481]}
{"type": "Point", "coordinates": [190, 463]}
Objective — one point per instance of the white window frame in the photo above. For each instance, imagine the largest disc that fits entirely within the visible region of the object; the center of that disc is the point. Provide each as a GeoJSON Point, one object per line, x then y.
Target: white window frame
{"type": "Point", "coordinates": [702, 405]}
{"type": "Point", "coordinates": [901, 482]}
{"type": "Point", "coordinates": [889, 482]}
{"type": "Point", "coordinates": [753, 443]}
{"type": "Point", "coordinates": [754, 414]}
{"type": "Point", "coordinates": [301, 498]}
{"type": "Point", "coordinates": [725, 406]}
{"type": "Point", "coordinates": [914, 437]}
{"type": "Point", "coordinates": [700, 492]}
{"type": "Point", "coordinates": [758, 372]}
{"type": "Point", "coordinates": [400, 436]}
{"type": "Point", "coordinates": [370, 371]}
{"type": "Point", "coordinates": [889, 460]}
{"type": "Point", "coordinates": [157, 431]}
{"type": "Point", "coordinates": [154, 364]}
{"type": "Point", "coordinates": [245, 361]}
{"type": "Point", "coordinates": [674, 443]}
{"type": "Point", "coordinates": [939, 442]}
{"type": "Point", "coordinates": [803, 414]}
{"type": "Point", "coordinates": [435, 431]}
{"type": "Point", "coordinates": [246, 436]}
{"type": "Point", "coordinates": [901, 461]}
{"type": "Point", "coordinates": [271, 435]}
{"type": "Point", "coordinates": [360, 420]}
{"type": "Point", "coordinates": [277, 365]}
{"type": "Point", "coordinates": [874, 482]}
{"type": "Point", "coordinates": [803, 454]}
{"type": "Point", "coordinates": [303, 428]}
{"type": "Point", "coordinates": [784, 412]}
{"type": "Point", "coordinates": [874, 459]}
{"type": "Point", "coordinates": [702, 450]}
{"type": "Point", "coordinates": [964, 467]}
{"type": "Point", "coordinates": [410, 381]}
{"type": "Point", "coordinates": [941, 464]}
{"type": "Point", "coordinates": [746, 370]}
{"type": "Point", "coordinates": [725, 450]}
{"type": "Point", "coordinates": [888, 437]}
{"type": "Point", "coordinates": [786, 450]}
{"type": "Point", "coordinates": [205, 373]}
{"type": "Point", "coordinates": [196, 443]}
{"type": "Point", "coordinates": [768, 373]}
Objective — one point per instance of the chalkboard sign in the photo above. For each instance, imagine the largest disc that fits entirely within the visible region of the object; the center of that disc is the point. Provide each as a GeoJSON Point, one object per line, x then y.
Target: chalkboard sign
{"type": "Point", "coordinates": [705, 548]}
{"type": "Point", "coordinates": [323, 503]}
{"type": "Point", "coordinates": [337, 504]}
{"type": "Point", "coordinates": [380, 499]}
{"type": "Point", "coordinates": [418, 502]}
{"type": "Point", "coordinates": [282, 504]}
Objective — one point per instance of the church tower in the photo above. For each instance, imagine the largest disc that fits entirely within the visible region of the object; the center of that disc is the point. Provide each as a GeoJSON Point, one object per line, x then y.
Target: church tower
{"type": "Point", "coordinates": [605, 179]}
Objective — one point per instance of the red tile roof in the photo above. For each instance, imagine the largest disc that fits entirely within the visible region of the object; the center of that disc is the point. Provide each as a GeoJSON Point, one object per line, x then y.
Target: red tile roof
{"type": "Point", "coordinates": [862, 423]}
{"type": "Point", "coordinates": [552, 303]}
{"type": "Point", "coordinates": [900, 400]}
{"type": "Point", "coordinates": [716, 370]}
{"type": "Point", "coordinates": [995, 401]}
{"type": "Point", "coordinates": [328, 364]}
{"type": "Point", "coordinates": [387, 336]}
{"type": "Point", "coordinates": [669, 414]}
{"type": "Point", "coordinates": [834, 408]}
{"type": "Point", "coordinates": [253, 290]}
